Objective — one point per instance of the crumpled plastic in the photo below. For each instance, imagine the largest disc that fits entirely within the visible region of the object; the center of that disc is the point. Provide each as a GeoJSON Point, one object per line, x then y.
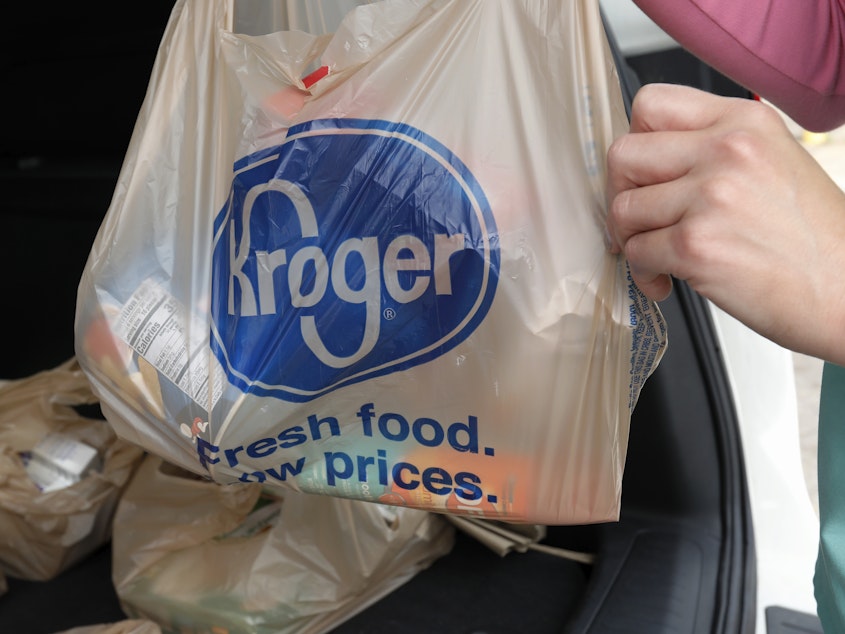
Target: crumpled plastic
{"type": "Point", "coordinates": [46, 533]}
{"type": "Point", "coordinates": [197, 555]}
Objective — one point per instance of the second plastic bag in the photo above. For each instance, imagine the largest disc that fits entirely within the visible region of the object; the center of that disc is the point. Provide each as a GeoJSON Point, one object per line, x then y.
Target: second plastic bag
{"type": "Point", "coordinates": [50, 523]}
{"type": "Point", "coordinates": [387, 281]}
{"type": "Point", "coordinates": [195, 556]}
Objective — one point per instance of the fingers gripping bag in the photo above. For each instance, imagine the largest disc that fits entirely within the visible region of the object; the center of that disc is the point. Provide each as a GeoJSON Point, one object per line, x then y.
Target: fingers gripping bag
{"type": "Point", "coordinates": [370, 264]}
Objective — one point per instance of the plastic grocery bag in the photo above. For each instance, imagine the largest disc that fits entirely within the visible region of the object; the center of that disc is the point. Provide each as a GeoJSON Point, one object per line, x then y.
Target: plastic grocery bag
{"type": "Point", "coordinates": [197, 556]}
{"type": "Point", "coordinates": [371, 264]}
{"type": "Point", "coordinates": [44, 533]}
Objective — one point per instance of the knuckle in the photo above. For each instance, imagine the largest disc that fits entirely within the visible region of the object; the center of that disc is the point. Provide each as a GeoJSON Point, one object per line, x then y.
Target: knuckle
{"type": "Point", "coordinates": [618, 162]}
{"type": "Point", "coordinates": [634, 252]}
{"type": "Point", "coordinates": [692, 245]}
{"type": "Point", "coordinates": [762, 115]}
{"type": "Point", "coordinates": [618, 165]}
{"type": "Point", "coordinates": [639, 253]}
{"type": "Point", "coordinates": [616, 152]}
{"type": "Point", "coordinates": [719, 191]}
{"type": "Point", "coordinates": [739, 146]}
{"type": "Point", "coordinates": [752, 128]}
{"type": "Point", "coordinates": [646, 98]}
{"type": "Point", "coordinates": [620, 211]}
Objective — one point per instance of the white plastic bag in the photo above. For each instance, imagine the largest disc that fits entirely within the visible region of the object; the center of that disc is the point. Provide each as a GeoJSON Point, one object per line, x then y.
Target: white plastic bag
{"type": "Point", "coordinates": [388, 281]}
{"type": "Point", "coordinates": [43, 530]}
{"type": "Point", "coordinates": [196, 556]}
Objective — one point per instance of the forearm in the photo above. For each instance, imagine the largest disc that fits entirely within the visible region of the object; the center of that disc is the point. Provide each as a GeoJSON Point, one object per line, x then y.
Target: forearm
{"type": "Point", "coordinates": [788, 52]}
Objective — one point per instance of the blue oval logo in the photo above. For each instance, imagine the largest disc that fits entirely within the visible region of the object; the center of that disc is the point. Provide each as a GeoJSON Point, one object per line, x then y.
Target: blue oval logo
{"type": "Point", "coordinates": [354, 249]}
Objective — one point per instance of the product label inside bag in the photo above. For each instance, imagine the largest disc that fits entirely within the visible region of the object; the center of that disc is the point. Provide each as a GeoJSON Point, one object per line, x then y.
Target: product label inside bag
{"type": "Point", "coordinates": [153, 323]}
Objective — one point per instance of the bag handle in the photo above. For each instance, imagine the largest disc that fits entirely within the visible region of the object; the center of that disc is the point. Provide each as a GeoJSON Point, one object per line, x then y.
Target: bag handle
{"type": "Point", "coordinates": [230, 16]}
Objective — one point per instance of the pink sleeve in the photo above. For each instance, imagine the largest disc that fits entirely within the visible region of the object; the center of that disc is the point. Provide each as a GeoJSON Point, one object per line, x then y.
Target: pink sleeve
{"type": "Point", "coordinates": [790, 52]}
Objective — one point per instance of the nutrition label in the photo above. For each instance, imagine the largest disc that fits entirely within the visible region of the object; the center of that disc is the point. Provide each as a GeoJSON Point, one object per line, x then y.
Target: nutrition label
{"type": "Point", "coordinates": [156, 326]}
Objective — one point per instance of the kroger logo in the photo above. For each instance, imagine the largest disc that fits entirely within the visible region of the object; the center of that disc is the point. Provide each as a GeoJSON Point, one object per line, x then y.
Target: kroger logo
{"type": "Point", "coordinates": [354, 249]}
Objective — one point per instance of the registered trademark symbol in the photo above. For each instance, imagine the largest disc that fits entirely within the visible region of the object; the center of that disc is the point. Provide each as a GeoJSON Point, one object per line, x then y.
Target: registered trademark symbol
{"type": "Point", "coordinates": [389, 313]}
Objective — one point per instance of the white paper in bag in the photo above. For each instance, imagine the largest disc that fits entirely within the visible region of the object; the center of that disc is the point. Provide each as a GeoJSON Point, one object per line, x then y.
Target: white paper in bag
{"type": "Point", "coordinates": [371, 264]}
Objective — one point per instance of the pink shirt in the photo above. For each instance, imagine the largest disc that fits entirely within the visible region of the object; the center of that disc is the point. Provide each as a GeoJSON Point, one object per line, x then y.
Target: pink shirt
{"type": "Point", "coordinates": [790, 52]}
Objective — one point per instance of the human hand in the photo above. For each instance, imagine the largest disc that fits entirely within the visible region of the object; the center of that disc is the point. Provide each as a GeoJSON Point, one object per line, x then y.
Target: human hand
{"type": "Point", "coordinates": [717, 192]}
